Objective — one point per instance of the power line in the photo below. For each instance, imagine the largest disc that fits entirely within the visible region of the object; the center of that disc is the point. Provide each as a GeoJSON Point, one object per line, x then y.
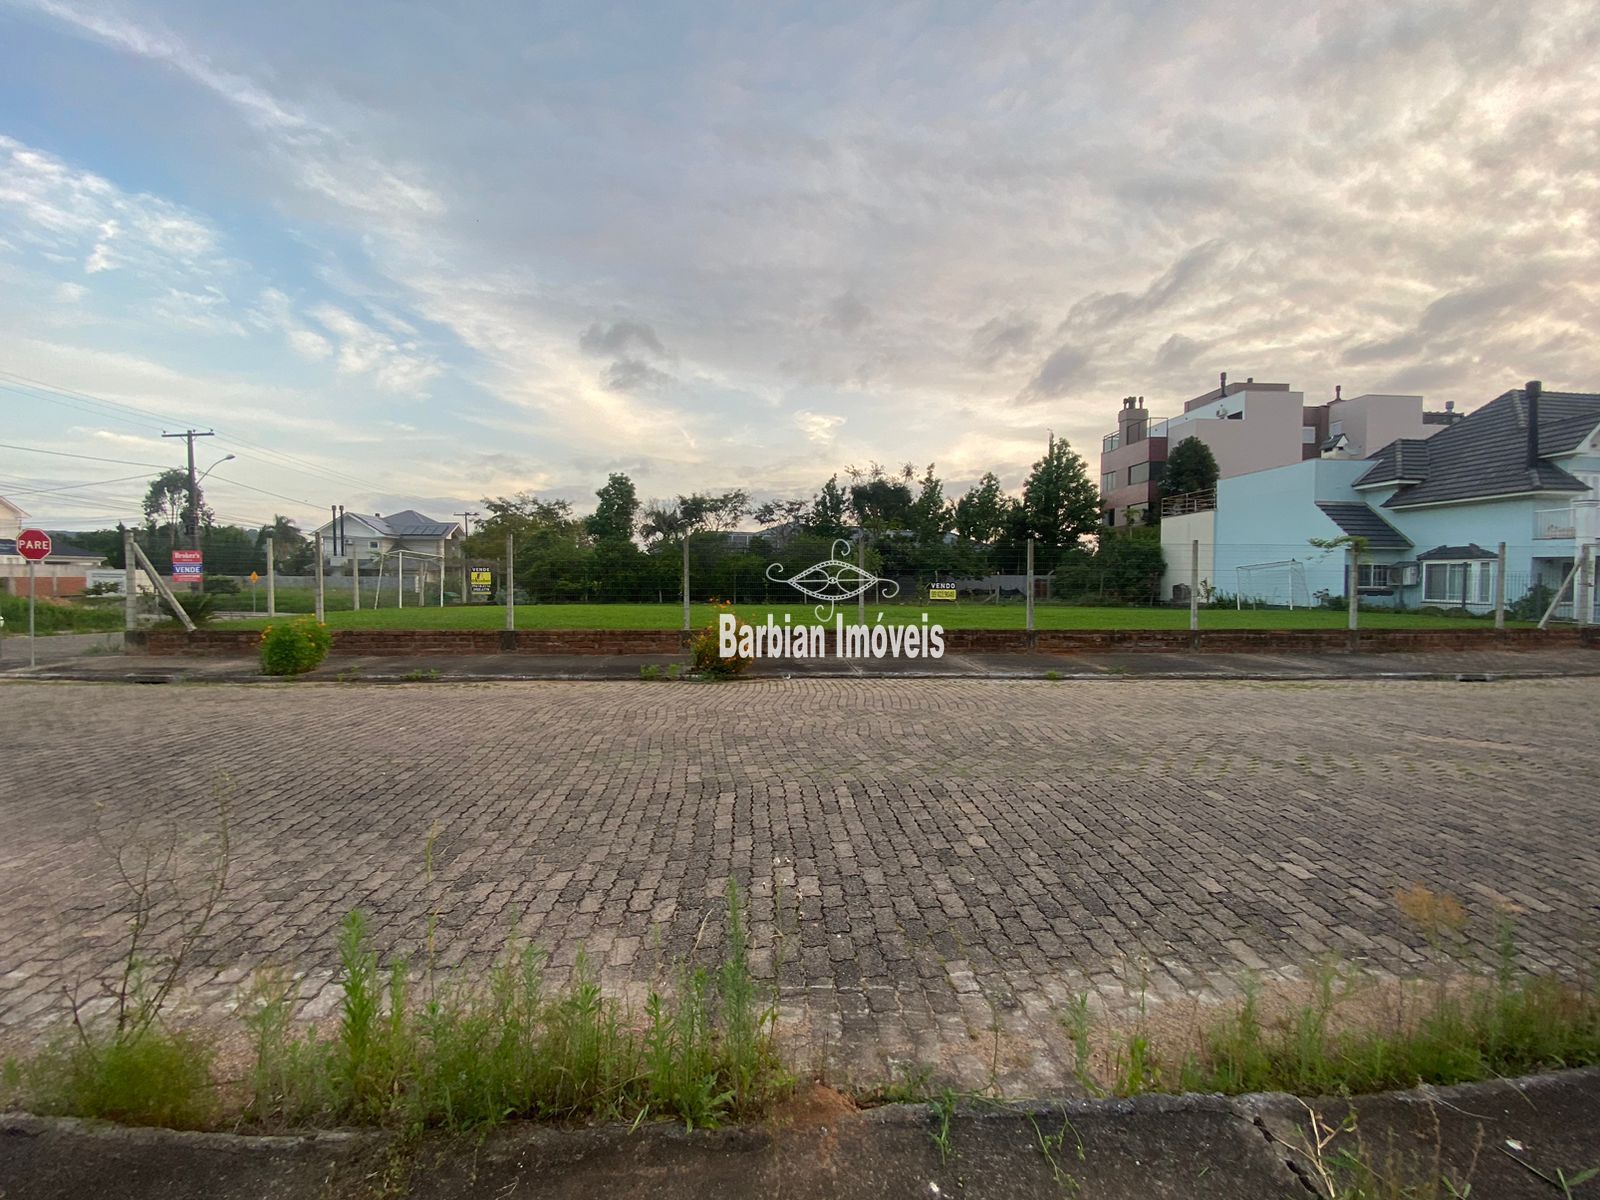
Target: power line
{"type": "Point", "coordinates": [71, 487]}
{"type": "Point", "coordinates": [59, 395]}
{"type": "Point", "coordinates": [126, 462]}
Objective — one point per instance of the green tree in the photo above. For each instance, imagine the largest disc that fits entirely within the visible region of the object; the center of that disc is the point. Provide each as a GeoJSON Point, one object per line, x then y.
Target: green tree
{"type": "Point", "coordinates": [1191, 467]}
{"type": "Point", "coordinates": [166, 502]}
{"type": "Point", "coordinates": [829, 510]}
{"type": "Point", "coordinates": [288, 542]}
{"type": "Point", "coordinates": [931, 517]}
{"type": "Point", "coordinates": [617, 514]}
{"type": "Point", "coordinates": [982, 514]}
{"type": "Point", "coordinates": [1059, 503]}
{"type": "Point", "coordinates": [1131, 566]}
{"type": "Point", "coordinates": [879, 501]}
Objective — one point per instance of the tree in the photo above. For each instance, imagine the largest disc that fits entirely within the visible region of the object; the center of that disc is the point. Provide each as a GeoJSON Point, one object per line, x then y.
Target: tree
{"type": "Point", "coordinates": [617, 513]}
{"type": "Point", "coordinates": [931, 517]}
{"type": "Point", "coordinates": [166, 502]}
{"type": "Point", "coordinates": [287, 540]}
{"type": "Point", "coordinates": [879, 501]}
{"type": "Point", "coordinates": [829, 510]}
{"type": "Point", "coordinates": [1059, 503]}
{"type": "Point", "coordinates": [781, 512]}
{"type": "Point", "coordinates": [981, 515]}
{"type": "Point", "coordinates": [1131, 567]}
{"type": "Point", "coordinates": [1191, 467]}
{"type": "Point", "coordinates": [678, 522]}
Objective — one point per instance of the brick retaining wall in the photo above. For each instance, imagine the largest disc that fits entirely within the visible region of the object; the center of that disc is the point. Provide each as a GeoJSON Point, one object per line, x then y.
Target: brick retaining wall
{"type": "Point", "coordinates": [236, 643]}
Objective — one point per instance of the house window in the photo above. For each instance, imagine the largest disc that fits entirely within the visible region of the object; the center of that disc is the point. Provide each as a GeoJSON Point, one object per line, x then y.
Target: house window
{"type": "Point", "coordinates": [372, 545]}
{"type": "Point", "coordinates": [1146, 471]}
{"type": "Point", "coordinates": [1108, 482]}
{"type": "Point", "coordinates": [1372, 575]}
{"type": "Point", "coordinates": [1458, 583]}
{"type": "Point", "coordinates": [1335, 429]}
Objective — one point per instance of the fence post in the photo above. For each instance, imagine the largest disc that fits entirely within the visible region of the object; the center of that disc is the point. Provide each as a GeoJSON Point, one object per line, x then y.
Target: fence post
{"type": "Point", "coordinates": [400, 580]}
{"type": "Point", "coordinates": [685, 586]}
{"type": "Point", "coordinates": [1583, 609]}
{"type": "Point", "coordinates": [511, 586]}
{"type": "Point", "coordinates": [355, 580]}
{"type": "Point", "coordinates": [322, 607]}
{"type": "Point", "coordinates": [1194, 584]}
{"type": "Point", "coordinates": [1500, 589]}
{"type": "Point", "coordinates": [1353, 587]}
{"type": "Point", "coordinates": [130, 583]}
{"type": "Point", "coordinates": [272, 581]}
{"type": "Point", "coordinates": [861, 600]}
{"type": "Point", "coordinates": [1030, 585]}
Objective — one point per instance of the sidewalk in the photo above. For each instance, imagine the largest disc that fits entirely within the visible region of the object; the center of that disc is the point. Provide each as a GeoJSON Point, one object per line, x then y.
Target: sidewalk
{"type": "Point", "coordinates": [1441, 664]}
{"type": "Point", "coordinates": [1504, 1139]}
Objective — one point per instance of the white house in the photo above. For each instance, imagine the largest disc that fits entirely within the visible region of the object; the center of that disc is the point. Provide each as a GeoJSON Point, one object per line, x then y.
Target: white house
{"type": "Point", "coordinates": [63, 573]}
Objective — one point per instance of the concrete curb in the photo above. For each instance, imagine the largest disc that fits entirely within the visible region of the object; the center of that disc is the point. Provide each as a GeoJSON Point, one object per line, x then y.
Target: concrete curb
{"type": "Point", "coordinates": [1504, 1136]}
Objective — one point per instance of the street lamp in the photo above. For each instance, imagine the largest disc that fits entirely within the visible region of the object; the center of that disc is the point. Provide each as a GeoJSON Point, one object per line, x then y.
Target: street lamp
{"type": "Point", "coordinates": [215, 465]}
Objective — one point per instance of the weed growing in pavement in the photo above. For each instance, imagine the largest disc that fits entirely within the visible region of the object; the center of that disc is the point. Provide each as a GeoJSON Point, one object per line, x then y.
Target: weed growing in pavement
{"type": "Point", "coordinates": [421, 676]}
{"type": "Point", "coordinates": [1051, 1145]}
{"type": "Point", "coordinates": [1468, 1026]}
{"type": "Point", "coordinates": [478, 1052]}
{"type": "Point", "coordinates": [649, 671]}
{"type": "Point", "coordinates": [1339, 1165]}
{"type": "Point", "coordinates": [121, 1060]}
{"type": "Point", "coordinates": [943, 1108]}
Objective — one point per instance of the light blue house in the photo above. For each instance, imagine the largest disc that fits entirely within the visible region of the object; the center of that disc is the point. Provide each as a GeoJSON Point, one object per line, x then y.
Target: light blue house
{"type": "Point", "coordinates": [1523, 470]}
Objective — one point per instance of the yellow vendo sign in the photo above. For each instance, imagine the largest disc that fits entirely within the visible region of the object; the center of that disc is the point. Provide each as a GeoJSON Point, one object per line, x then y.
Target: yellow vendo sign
{"type": "Point", "coordinates": [941, 593]}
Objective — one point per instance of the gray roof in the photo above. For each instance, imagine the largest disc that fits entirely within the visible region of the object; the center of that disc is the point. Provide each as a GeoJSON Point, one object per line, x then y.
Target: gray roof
{"type": "Point", "coordinates": [410, 523]}
{"type": "Point", "coordinates": [1358, 520]}
{"type": "Point", "coordinates": [1485, 453]}
{"type": "Point", "coordinates": [1456, 553]}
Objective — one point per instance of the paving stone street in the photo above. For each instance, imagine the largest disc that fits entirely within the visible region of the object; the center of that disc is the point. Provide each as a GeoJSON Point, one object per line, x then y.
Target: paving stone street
{"type": "Point", "coordinates": [935, 866]}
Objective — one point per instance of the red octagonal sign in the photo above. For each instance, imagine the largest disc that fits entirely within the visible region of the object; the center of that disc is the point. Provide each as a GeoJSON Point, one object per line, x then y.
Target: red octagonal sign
{"type": "Point", "coordinates": [33, 544]}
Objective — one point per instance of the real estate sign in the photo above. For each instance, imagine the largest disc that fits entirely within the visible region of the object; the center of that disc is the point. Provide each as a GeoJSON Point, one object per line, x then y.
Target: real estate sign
{"type": "Point", "coordinates": [187, 564]}
{"type": "Point", "coordinates": [482, 580]}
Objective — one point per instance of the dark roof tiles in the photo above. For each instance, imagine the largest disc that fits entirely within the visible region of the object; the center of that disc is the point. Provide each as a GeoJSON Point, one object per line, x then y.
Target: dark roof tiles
{"type": "Point", "coordinates": [1358, 520]}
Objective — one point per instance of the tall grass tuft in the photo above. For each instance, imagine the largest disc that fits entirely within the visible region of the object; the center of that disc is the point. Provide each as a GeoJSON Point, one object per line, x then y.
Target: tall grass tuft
{"type": "Point", "coordinates": [480, 1051]}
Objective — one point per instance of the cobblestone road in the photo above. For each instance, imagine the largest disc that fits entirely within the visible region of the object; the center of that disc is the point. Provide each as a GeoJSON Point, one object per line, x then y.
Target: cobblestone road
{"type": "Point", "coordinates": [928, 861]}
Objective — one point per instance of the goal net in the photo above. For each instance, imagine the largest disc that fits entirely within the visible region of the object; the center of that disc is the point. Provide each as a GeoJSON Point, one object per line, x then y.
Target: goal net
{"type": "Point", "coordinates": [1274, 584]}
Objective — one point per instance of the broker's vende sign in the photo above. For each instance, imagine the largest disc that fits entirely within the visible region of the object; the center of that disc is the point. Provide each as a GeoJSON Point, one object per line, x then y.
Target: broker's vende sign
{"type": "Point", "coordinates": [187, 564]}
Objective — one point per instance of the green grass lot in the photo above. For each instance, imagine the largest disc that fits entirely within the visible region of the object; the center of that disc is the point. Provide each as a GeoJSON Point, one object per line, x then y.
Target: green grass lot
{"type": "Point", "coordinates": [951, 616]}
{"type": "Point", "coordinates": [60, 616]}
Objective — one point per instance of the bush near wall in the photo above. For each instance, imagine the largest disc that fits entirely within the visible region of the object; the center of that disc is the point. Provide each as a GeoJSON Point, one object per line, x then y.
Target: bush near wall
{"type": "Point", "coordinates": [294, 647]}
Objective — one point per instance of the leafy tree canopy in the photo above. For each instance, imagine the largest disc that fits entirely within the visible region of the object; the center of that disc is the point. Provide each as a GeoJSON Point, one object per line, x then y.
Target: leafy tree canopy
{"type": "Point", "coordinates": [1191, 467]}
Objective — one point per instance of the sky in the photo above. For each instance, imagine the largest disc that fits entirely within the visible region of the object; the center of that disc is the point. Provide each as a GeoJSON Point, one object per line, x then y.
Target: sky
{"type": "Point", "coordinates": [403, 255]}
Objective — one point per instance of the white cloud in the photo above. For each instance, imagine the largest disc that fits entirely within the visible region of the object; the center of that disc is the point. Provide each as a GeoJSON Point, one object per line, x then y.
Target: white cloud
{"type": "Point", "coordinates": [819, 427]}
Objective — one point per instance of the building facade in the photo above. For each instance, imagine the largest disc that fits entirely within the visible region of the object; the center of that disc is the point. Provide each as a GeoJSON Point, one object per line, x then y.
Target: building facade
{"type": "Point", "coordinates": [1523, 470]}
{"type": "Point", "coordinates": [1248, 427]}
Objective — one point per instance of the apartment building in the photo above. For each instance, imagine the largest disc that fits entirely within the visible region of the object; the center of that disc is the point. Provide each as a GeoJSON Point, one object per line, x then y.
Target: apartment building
{"type": "Point", "coordinates": [1248, 427]}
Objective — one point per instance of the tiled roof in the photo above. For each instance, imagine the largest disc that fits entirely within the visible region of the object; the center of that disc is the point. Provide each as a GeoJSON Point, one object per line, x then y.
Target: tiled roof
{"type": "Point", "coordinates": [1358, 520]}
{"type": "Point", "coordinates": [1485, 454]}
{"type": "Point", "coordinates": [410, 523]}
{"type": "Point", "coordinates": [1456, 553]}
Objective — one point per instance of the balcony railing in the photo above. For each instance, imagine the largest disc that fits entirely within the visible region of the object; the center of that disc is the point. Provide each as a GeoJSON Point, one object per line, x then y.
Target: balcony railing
{"type": "Point", "coordinates": [1554, 523]}
{"type": "Point", "coordinates": [1189, 502]}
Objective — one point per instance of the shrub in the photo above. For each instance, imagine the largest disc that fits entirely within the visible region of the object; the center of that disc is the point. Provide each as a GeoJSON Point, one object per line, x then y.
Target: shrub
{"type": "Point", "coordinates": [294, 647]}
{"type": "Point", "coordinates": [222, 585]}
{"type": "Point", "coordinates": [201, 606]}
{"type": "Point", "coordinates": [707, 661]}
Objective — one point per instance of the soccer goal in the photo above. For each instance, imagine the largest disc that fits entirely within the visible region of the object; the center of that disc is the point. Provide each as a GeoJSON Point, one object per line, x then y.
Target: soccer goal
{"type": "Point", "coordinates": [1274, 584]}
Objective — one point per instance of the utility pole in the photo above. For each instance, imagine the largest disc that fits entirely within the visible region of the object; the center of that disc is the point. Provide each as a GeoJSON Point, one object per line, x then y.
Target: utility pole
{"type": "Point", "coordinates": [466, 532]}
{"type": "Point", "coordinates": [189, 436]}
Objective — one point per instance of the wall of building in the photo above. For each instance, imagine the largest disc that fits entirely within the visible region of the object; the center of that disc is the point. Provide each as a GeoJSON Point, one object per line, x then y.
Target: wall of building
{"type": "Point", "coordinates": [1271, 516]}
{"type": "Point", "coordinates": [1372, 421]}
{"type": "Point", "coordinates": [1265, 433]}
{"type": "Point", "coordinates": [1178, 534]}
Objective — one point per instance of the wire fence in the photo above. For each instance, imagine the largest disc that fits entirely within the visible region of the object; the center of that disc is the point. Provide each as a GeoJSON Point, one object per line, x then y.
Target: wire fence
{"type": "Point", "coordinates": [999, 584]}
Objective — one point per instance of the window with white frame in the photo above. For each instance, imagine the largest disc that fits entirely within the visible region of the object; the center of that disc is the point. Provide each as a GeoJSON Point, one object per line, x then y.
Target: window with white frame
{"type": "Point", "coordinates": [1458, 583]}
{"type": "Point", "coordinates": [1372, 575]}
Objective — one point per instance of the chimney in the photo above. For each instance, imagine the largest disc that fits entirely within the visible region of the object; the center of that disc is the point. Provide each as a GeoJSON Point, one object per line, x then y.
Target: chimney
{"type": "Point", "coordinates": [1531, 392]}
{"type": "Point", "coordinates": [1224, 383]}
{"type": "Point", "coordinates": [1449, 406]}
{"type": "Point", "coordinates": [1338, 391]}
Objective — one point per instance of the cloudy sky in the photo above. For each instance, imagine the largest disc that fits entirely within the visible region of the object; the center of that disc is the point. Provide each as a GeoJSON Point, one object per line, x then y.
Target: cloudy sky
{"type": "Point", "coordinates": [402, 254]}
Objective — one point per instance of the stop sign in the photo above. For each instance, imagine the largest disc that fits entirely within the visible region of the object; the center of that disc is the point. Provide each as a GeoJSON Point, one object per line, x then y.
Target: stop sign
{"type": "Point", "coordinates": [33, 544]}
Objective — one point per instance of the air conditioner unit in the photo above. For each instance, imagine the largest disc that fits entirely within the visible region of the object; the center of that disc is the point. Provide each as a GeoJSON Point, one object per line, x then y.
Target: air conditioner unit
{"type": "Point", "coordinates": [1407, 574]}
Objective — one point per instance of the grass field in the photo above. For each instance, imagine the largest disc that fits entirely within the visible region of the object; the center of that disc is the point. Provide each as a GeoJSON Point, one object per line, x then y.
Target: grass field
{"type": "Point", "coordinates": [951, 616]}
